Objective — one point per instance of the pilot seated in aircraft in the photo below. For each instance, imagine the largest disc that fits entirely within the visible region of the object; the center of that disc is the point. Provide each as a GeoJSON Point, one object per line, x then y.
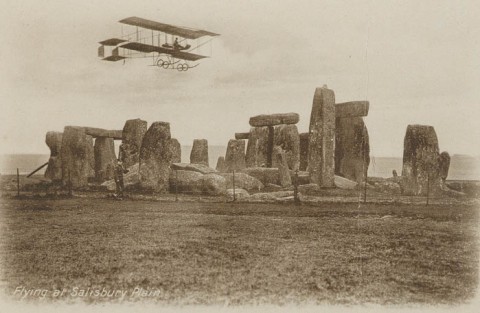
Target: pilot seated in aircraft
{"type": "Point", "coordinates": [176, 45]}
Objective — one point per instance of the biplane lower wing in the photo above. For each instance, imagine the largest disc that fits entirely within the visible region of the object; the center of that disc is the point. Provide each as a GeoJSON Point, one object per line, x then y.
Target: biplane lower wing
{"type": "Point", "coordinates": [114, 58]}
{"type": "Point", "coordinates": [141, 47]}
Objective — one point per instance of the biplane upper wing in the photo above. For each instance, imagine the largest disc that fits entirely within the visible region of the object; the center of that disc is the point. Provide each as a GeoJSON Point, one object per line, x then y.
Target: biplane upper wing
{"type": "Point", "coordinates": [141, 47]}
{"type": "Point", "coordinates": [184, 32]}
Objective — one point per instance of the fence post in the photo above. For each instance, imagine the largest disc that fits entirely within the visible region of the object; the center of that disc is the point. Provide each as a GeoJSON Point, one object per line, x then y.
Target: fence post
{"type": "Point", "coordinates": [18, 183]}
{"type": "Point", "coordinates": [428, 186]}
{"type": "Point", "coordinates": [233, 177]}
{"type": "Point", "coordinates": [176, 185]}
{"type": "Point", "coordinates": [296, 199]}
{"type": "Point", "coordinates": [69, 184]}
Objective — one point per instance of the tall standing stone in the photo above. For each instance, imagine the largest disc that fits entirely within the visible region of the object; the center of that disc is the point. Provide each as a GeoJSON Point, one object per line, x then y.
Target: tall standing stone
{"type": "Point", "coordinates": [352, 148]}
{"type": "Point", "coordinates": [221, 165]}
{"type": "Point", "coordinates": [303, 151]}
{"type": "Point", "coordinates": [287, 137]}
{"type": "Point", "coordinates": [132, 136]}
{"type": "Point", "coordinates": [257, 147]}
{"type": "Point", "coordinates": [176, 149]}
{"type": "Point", "coordinates": [280, 162]}
{"type": "Point", "coordinates": [77, 157]}
{"type": "Point", "coordinates": [199, 153]}
{"type": "Point", "coordinates": [321, 147]}
{"type": "Point", "coordinates": [54, 167]}
{"type": "Point", "coordinates": [104, 151]}
{"type": "Point", "coordinates": [420, 172]}
{"type": "Point", "coordinates": [156, 157]}
{"type": "Point", "coordinates": [235, 155]}
{"type": "Point", "coordinates": [444, 165]}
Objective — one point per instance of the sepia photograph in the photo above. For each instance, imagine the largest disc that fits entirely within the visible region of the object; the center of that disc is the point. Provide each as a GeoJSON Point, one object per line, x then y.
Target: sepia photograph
{"type": "Point", "coordinates": [239, 156]}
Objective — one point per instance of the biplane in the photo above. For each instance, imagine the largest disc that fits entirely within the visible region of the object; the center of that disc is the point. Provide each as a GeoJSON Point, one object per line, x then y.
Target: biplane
{"type": "Point", "coordinates": [169, 46]}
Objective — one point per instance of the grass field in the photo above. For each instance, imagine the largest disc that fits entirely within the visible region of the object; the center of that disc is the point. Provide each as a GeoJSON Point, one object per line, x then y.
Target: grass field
{"type": "Point", "coordinates": [222, 253]}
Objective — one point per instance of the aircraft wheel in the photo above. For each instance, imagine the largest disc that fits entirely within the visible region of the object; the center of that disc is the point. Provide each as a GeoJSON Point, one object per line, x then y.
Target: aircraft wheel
{"type": "Point", "coordinates": [166, 64]}
{"type": "Point", "coordinates": [160, 63]}
{"type": "Point", "coordinates": [185, 67]}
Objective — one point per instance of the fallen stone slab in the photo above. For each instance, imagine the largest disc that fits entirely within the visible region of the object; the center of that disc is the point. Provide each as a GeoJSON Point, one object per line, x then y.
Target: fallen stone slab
{"type": "Point", "coordinates": [309, 189]}
{"type": "Point", "coordinates": [274, 119]}
{"type": "Point", "coordinates": [131, 180]}
{"type": "Point", "coordinates": [352, 109]}
{"type": "Point", "coordinates": [243, 181]}
{"type": "Point", "coordinates": [191, 182]}
{"type": "Point", "coordinates": [200, 168]}
{"type": "Point", "coordinates": [264, 174]}
{"type": "Point", "coordinates": [343, 183]}
{"type": "Point", "coordinates": [269, 196]}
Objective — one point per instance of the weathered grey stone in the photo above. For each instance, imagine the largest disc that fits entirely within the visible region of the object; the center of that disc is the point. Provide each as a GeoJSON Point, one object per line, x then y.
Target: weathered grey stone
{"type": "Point", "coordinates": [132, 136]}
{"type": "Point", "coordinates": [274, 119]}
{"type": "Point", "coordinates": [242, 180]}
{"type": "Point", "coordinates": [156, 157]}
{"type": "Point", "coordinates": [221, 165]}
{"type": "Point", "coordinates": [287, 137]}
{"type": "Point", "coordinates": [196, 183]}
{"type": "Point", "coordinates": [104, 151]}
{"type": "Point", "coordinates": [201, 168]}
{"type": "Point", "coordinates": [235, 155]}
{"type": "Point", "coordinates": [257, 148]}
{"type": "Point", "coordinates": [303, 151]}
{"type": "Point", "coordinates": [352, 109]}
{"type": "Point", "coordinates": [444, 165]}
{"type": "Point", "coordinates": [242, 135]}
{"type": "Point", "coordinates": [352, 148]}
{"type": "Point", "coordinates": [420, 172]}
{"type": "Point", "coordinates": [269, 196]}
{"type": "Point", "coordinates": [54, 167]}
{"type": "Point", "coordinates": [280, 162]}
{"type": "Point", "coordinates": [344, 183]}
{"type": "Point", "coordinates": [99, 132]}
{"type": "Point", "coordinates": [213, 184]}
{"type": "Point", "coordinates": [77, 157]}
{"type": "Point", "coordinates": [199, 153]}
{"type": "Point", "coordinates": [131, 179]}
{"type": "Point", "coordinates": [264, 174]}
{"type": "Point", "coordinates": [303, 177]}
{"type": "Point", "coordinates": [321, 145]}
{"type": "Point", "coordinates": [176, 150]}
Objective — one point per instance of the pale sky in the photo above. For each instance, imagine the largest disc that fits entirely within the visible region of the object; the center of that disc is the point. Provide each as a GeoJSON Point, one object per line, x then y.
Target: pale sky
{"type": "Point", "coordinates": [417, 62]}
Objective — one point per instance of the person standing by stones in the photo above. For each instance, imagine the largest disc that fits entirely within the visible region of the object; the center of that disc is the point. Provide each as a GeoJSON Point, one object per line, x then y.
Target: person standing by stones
{"type": "Point", "coordinates": [118, 176]}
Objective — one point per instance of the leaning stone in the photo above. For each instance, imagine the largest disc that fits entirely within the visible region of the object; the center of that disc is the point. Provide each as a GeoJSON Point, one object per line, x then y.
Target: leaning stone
{"type": "Point", "coordinates": [54, 167]}
{"type": "Point", "coordinates": [274, 119]}
{"type": "Point", "coordinates": [257, 148]}
{"type": "Point", "coordinates": [287, 137]}
{"type": "Point", "coordinates": [242, 180]}
{"type": "Point", "coordinates": [420, 171]}
{"type": "Point", "coordinates": [321, 142]}
{"type": "Point", "coordinates": [77, 157]}
{"type": "Point", "coordinates": [352, 148]}
{"type": "Point", "coordinates": [132, 136]}
{"type": "Point", "coordinates": [235, 155]}
{"type": "Point", "coordinates": [199, 153]}
{"type": "Point", "coordinates": [303, 151]}
{"type": "Point", "coordinates": [280, 162]}
{"type": "Point", "coordinates": [344, 183]}
{"type": "Point", "coordinates": [104, 151]}
{"type": "Point", "coordinates": [155, 157]}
